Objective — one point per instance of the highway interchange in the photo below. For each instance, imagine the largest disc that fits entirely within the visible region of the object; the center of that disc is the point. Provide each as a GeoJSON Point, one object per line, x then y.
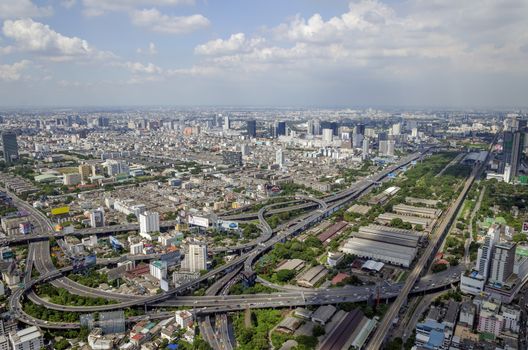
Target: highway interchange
{"type": "Point", "coordinates": [216, 301]}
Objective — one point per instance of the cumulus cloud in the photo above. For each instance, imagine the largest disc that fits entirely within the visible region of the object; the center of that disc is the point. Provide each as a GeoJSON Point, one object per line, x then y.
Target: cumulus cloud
{"type": "Point", "coordinates": [137, 67]}
{"type": "Point", "coordinates": [22, 8]}
{"type": "Point", "coordinates": [156, 21]}
{"type": "Point", "coordinates": [31, 36]}
{"type": "Point", "coordinates": [13, 72]}
{"type": "Point", "coordinates": [100, 7]}
{"type": "Point", "coordinates": [235, 43]}
{"type": "Point", "coordinates": [373, 35]}
{"type": "Point", "coordinates": [150, 50]}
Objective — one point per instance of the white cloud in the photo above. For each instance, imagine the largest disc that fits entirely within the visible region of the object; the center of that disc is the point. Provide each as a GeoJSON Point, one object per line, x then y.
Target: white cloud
{"type": "Point", "coordinates": [236, 43]}
{"type": "Point", "coordinates": [151, 50]}
{"type": "Point", "coordinates": [156, 21]}
{"type": "Point", "coordinates": [137, 67]}
{"type": "Point", "coordinates": [100, 7]}
{"type": "Point", "coordinates": [14, 71]}
{"type": "Point", "coordinates": [31, 36]}
{"type": "Point", "coordinates": [22, 8]}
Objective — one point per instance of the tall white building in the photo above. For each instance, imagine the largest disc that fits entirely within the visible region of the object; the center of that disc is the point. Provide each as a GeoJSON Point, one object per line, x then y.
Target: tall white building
{"type": "Point", "coordinates": [136, 248]}
{"type": "Point", "coordinates": [396, 129]}
{"type": "Point", "coordinates": [485, 251]}
{"type": "Point", "coordinates": [97, 218]}
{"type": "Point", "coordinates": [26, 339]}
{"type": "Point", "coordinates": [317, 127]}
{"type": "Point", "coordinates": [365, 148]}
{"type": "Point", "coordinates": [310, 127]}
{"type": "Point", "coordinates": [195, 257]}
{"type": "Point", "coordinates": [328, 135]}
{"type": "Point", "coordinates": [279, 157]}
{"type": "Point", "coordinates": [227, 123]}
{"type": "Point", "coordinates": [158, 269]}
{"type": "Point", "coordinates": [148, 223]}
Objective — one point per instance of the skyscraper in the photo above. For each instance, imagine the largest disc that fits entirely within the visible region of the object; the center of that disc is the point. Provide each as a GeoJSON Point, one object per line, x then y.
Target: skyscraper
{"type": "Point", "coordinates": [195, 257]}
{"type": "Point", "coordinates": [227, 123]}
{"type": "Point", "coordinates": [148, 222]}
{"type": "Point", "coordinates": [279, 158]}
{"type": "Point", "coordinates": [365, 149]}
{"type": "Point", "coordinates": [279, 128]}
{"type": "Point", "coordinates": [502, 262]}
{"type": "Point", "coordinates": [10, 146]}
{"type": "Point", "coordinates": [328, 135]}
{"type": "Point", "coordinates": [317, 127]}
{"type": "Point", "coordinates": [310, 127]}
{"type": "Point", "coordinates": [252, 128]}
{"type": "Point", "coordinates": [485, 251]}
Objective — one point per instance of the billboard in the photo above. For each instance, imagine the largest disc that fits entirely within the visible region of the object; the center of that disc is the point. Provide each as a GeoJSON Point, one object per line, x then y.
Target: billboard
{"type": "Point", "coordinates": [228, 225]}
{"type": "Point", "coordinates": [198, 221]}
{"type": "Point", "coordinates": [60, 210]}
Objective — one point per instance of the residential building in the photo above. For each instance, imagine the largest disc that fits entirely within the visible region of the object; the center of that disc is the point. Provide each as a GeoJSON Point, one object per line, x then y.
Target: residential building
{"type": "Point", "coordinates": [97, 218]}
{"type": "Point", "coordinates": [148, 223]}
{"type": "Point", "coordinates": [26, 339]}
{"type": "Point", "coordinates": [158, 269]}
{"type": "Point", "coordinates": [195, 257]}
{"type": "Point", "coordinates": [502, 262]}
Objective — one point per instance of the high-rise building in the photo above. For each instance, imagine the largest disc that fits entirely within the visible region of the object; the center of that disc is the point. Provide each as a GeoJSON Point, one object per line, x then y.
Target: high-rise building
{"type": "Point", "coordinates": [10, 146]}
{"type": "Point", "coordinates": [328, 135]}
{"type": "Point", "coordinates": [103, 122]}
{"type": "Point", "coordinates": [396, 129]}
{"type": "Point", "coordinates": [97, 218]}
{"type": "Point", "coordinates": [85, 170]}
{"type": "Point", "coordinates": [26, 339]}
{"type": "Point", "coordinates": [279, 158]}
{"type": "Point", "coordinates": [148, 223]}
{"type": "Point", "coordinates": [502, 262]}
{"type": "Point", "coordinates": [227, 123]}
{"type": "Point", "coordinates": [485, 251]}
{"type": "Point", "coordinates": [158, 269]}
{"type": "Point", "coordinates": [279, 129]}
{"type": "Point", "coordinates": [252, 128]}
{"type": "Point", "coordinates": [195, 257]}
{"type": "Point", "coordinates": [310, 127]}
{"type": "Point", "coordinates": [317, 127]}
{"type": "Point", "coordinates": [365, 149]}
{"type": "Point", "coordinates": [359, 129]}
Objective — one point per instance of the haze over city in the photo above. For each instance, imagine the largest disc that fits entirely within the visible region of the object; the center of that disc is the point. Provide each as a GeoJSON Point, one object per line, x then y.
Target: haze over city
{"type": "Point", "coordinates": [273, 53]}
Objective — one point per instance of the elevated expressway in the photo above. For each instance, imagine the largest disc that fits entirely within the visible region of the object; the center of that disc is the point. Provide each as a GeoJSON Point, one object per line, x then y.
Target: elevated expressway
{"type": "Point", "coordinates": [50, 273]}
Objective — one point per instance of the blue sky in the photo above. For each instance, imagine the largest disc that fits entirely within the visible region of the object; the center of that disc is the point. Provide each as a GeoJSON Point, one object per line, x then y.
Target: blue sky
{"type": "Point", "coordinates": [445, 53]}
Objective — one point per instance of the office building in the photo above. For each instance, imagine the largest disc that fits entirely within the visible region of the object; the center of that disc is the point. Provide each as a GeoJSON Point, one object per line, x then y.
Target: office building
{"type": "Point", "coordinates": [232, 158]}
{"type": "Point", "coordinates": [252, 128]}
{"type": "Point", "coordinates": [316, 127]}
{"type": "Point", "coordinates": [365, 149]}
{"type": "Point", "coordinates": [279, 129]}
{"type": "Point", "coordinates": [310, 127]}
{"type": "Point", "coordinates": [9, 146]}
{"type": "Point", "coordinates": [279, 158]}
{"type": "Point", "coordinates": [158, 269]}
{"type": "Point", "coordinates": [502, 263]}
{"type": "Point", "coordinates": [195, 257]}
{"type": "Point", "coordinates": [396, 129]}
{"type": "Point", "coordinates": [485, 251]}
{"type": "Point", "coordinates": [227, 123]}
{"type": "Point", "coordinates": [359, 129]}
{"type": "Point", "coordinates": [328, 135]}
{"type": "Point", "coordinates": [148, 223]}
{"type": "Point", "coordinates": [103, 122]}
{"type": "Point", "coordinates": [26, 339]}
{"type": "Point", "coordinates": [97, 218]}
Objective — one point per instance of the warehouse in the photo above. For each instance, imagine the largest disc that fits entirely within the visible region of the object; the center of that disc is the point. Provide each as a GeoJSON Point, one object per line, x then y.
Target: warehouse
{"type": "Point", "coordinates": [310, 278]}
{"type": "Point", "coordinates": [405, 209]}
{"type": "Point", "coordinates": [427, 202]}
{"type": "Point", "coordinates": [386, 218]}
{"type": "Point", "coordinates": [390, 253]}
{"type": "Point", "coordinates": [384, 196]}
{"type": "Point", "coordinates": [330, 232]}
{"type": "Point", "coordinates": [392, 235]}
{"type": "Point", "coordinates": [291, 264]}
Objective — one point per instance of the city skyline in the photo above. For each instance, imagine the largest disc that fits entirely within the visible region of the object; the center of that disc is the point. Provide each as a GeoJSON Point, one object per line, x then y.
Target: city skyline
{"type": "Point", "coordinates": [336, 53]}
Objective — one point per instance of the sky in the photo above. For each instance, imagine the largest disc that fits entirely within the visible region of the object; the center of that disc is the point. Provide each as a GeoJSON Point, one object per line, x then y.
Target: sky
{"type": "Point", "coordinates": [371, 53]}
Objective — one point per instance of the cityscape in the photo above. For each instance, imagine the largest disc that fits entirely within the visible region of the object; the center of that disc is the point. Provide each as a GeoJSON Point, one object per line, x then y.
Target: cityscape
{"type": "Point", "coordinates": [172, 220]}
